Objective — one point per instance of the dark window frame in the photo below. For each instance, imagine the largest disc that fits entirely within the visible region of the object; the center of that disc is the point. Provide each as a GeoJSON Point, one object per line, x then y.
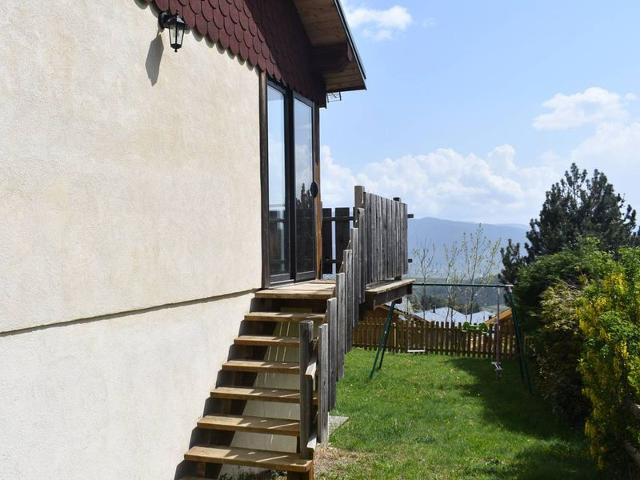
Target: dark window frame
{"type": "Point", "coordinates": [289, 96]}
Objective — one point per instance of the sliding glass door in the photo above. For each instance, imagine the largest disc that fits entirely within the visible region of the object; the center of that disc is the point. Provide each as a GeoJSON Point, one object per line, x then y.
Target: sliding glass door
{"type": "Point", "coordinates": [279, 212]}
{"type": "Point", "coordinates": [304, 199]}
{"type": "Point", "coordinates": [291, 215]}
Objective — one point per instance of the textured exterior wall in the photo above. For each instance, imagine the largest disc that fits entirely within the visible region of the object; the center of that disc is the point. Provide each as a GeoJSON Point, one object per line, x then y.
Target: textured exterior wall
{"type": "Point", "coordinates": [129, 174]}
{"type": "Point", "coordinates": [129, 179]}
{"type": "Point", "coordinates": [111, 399]}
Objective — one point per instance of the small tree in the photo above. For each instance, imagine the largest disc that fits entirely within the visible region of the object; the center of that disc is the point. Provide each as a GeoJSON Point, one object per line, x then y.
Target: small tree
{"type": "Point", "coordinates": [512, 261]}
{"type": "Point", "coordinates": [480, 256]}
{"type": "Point", "coordinates": [424, 256]}
{"type": "Point", "coordinates": [578, 207]}
{"type": "Point", "coordinates": [453, 275]}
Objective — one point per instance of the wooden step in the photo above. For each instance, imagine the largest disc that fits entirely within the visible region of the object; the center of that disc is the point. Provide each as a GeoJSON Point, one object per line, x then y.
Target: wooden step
{"type": "Point", "coordinates": [250, 393]}
{"type": "Point", "coordinates": [282, 317]}
{"type": "Point", "coordinates": [266, 341]}
{"type": "Point", "coordinates": [289, 462]}
{"type": "Point", "coordinates": [250, 424]}
{"type": "Point", "coordinates": [261, 366]}
{"type": "Point", "coordinates": [284, 294]}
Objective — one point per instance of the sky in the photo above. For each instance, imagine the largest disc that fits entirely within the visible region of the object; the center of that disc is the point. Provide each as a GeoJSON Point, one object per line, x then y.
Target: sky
{"type": "Point", "coordinates": [473, 109]}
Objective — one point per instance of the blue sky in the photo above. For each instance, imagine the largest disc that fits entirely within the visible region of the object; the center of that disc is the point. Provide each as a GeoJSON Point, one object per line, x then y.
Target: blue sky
{"type": "Point", "coordinates": [474, 108]}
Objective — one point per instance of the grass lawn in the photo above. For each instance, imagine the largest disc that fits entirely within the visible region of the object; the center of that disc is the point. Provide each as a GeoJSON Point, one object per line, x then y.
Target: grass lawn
{"type": "Point", "coordinates": [438, 417]}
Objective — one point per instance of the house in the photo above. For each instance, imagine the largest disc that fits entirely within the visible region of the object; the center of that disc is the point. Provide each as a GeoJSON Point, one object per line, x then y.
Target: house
{"type": "Point", "coordinates": [444, 314]}
{"type": "Point", "coordinates": [161, 240]}
{"type": "Point", "coordinates": [505, 317]}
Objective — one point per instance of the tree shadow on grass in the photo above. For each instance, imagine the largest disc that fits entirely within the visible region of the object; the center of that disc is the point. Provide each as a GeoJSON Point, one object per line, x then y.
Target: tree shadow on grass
{"type": "Point", "coordinates": [507, 402]}
{"type": "Point", "coordinates": [537, 463]}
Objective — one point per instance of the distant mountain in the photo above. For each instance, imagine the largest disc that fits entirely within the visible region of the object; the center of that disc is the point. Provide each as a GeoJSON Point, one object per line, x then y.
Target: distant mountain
{"type": "Point", "coordinates": [444, 232]}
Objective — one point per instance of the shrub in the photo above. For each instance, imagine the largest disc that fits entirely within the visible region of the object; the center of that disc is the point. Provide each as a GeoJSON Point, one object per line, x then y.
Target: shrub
{"type": "Point", "coordinates": [545, 296]}
{"type": "Point", "coordinates": [560, 342]}
{"type": "Point", "coordinates": [609, 316]}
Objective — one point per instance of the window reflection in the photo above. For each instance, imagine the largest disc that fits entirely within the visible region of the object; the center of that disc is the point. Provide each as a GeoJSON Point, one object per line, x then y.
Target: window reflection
{"type": "Point", "coordinates": [278, 214]}
{"type": "Point", "coordinates": [303, 153]}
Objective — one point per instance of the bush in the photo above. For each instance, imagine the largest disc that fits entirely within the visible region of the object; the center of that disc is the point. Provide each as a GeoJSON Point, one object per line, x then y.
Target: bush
{"type": "Point", "coordinates": [545, 296]}
{"type": "Point", "coordinates": [609, 316]}
{"type": "Point", "coordinates": [559, 346]}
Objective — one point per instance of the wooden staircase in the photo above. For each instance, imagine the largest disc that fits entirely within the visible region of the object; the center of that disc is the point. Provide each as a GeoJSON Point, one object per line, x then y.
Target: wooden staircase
{"type": "Point", "coordinates": [263, 370]}
{"type": "Point", "coordinates": [280, 378]}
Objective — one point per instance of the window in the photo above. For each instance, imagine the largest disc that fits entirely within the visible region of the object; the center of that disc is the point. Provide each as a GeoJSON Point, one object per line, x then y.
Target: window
{"type": "Point", "coordinates": [291, 157]}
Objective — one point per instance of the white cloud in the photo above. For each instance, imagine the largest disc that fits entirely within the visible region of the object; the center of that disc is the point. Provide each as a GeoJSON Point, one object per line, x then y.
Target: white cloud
{"type": "Point", "coordinates": [378, 24]}
{"type": "Point", "coordinates": [614, 148]}
{"type": "Point", "coordinates": [613, 145]}
{"type": "Point", "coordinates": [447, 184]}
{"type": "Point", "coordinates": [591, 107]}
{"type": "Point", "coordinates": [497, 187]}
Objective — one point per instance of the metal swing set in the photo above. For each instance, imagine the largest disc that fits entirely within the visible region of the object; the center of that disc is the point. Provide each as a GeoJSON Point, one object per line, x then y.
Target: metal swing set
{"type": "Point", "coordinates": [507, 291]}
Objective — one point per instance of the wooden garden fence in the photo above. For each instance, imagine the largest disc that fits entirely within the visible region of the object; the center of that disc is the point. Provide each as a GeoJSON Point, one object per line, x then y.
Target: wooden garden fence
{"type": "Point", "coordinates": [445, 338]}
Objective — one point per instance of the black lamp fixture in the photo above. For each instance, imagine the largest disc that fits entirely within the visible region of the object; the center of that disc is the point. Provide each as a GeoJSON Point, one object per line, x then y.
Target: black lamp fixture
{"type": "Point", "coordinates": [176, 25]}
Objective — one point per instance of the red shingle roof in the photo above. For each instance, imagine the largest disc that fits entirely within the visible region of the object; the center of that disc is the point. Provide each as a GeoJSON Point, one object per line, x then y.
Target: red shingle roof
{"type": "Point", "coordinates": [266, 33]}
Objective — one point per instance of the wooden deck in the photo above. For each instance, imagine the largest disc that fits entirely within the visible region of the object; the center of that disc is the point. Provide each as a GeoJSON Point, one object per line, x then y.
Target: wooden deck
{"type": "Point", "coordinates": [376, 294]}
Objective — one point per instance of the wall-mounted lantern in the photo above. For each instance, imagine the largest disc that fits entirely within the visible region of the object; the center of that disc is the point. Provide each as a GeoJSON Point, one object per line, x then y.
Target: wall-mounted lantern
{"type": "Point", "coordinates": [176, 26]}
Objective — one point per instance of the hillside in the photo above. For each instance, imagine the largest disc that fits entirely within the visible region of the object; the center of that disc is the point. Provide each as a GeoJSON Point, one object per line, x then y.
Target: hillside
{"type": "Point", "coordinates": [444, 232]}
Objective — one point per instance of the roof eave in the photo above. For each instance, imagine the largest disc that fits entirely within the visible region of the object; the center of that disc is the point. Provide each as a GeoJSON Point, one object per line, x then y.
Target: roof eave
{"type": "Point", "coordinates": [352, 44]}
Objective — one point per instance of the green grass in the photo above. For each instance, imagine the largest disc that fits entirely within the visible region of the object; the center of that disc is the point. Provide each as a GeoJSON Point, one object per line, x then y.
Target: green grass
{"type": "Point", "coordinates": [437, 417]}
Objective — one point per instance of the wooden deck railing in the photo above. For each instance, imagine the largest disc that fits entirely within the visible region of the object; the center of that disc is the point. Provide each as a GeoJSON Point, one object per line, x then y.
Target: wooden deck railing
{"type": "Point", "coordinates": [375, 250]}
{"type": "Point", "coordinates": [383, 223]}
{"type": "Point", "coordinates": [385, 235]}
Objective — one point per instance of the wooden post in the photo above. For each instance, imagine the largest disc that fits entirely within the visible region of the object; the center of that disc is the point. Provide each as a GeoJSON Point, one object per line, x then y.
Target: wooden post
{"type": "Point", "coordinates": [363, 232]}
{"type": "Point", "coordinates": [342, 233]}
{"type": "Point", "coordinates": [332, 321]}
{"type": "Point", "coordinates": [327, 242]}
{"type": "Point", "coordinates": [323, 384]}
{"type": "Point", "coordinates": [341, 323]}
{"type": "Point", "coordinates": [306, 388]}
{"type": "Point", "coordinates": [348, 261]}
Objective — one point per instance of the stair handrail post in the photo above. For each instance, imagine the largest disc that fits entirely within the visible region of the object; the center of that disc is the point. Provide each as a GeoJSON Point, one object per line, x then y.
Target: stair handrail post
{"type": "Point", "coordinates": [323, 383]}
{"type": "Point", "coordinates": [306, 388]}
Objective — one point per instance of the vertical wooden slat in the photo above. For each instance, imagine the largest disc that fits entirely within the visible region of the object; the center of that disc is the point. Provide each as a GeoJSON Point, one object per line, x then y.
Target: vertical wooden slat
{"type": "Point", "coordinates": [355, 248]}
{"type": "Point", "coordinates": [370, 226]}
{"type": "Point", "coordinates": [363, 228]}
{"type": "Point", "coordinates": [348, 261]}
{"type": "Point", "coordinates": [381, 234]}
{"type": "Point", "coordinates": [327, 242]}
{"type": "Point", "coordinates": [405, 238]}
{"type": "Point", "coordinates": [306, 389]}
{"type": "Point", "coordinates": [323, 383]}
{"type": "Point", "coordinates": [342, 233]}
{"type": "Point", "coordinates": [341, 323]}
{"type": "Point", "coordinates": [359, 214]}
{"type": "Point", "coordinates": [332, 321]}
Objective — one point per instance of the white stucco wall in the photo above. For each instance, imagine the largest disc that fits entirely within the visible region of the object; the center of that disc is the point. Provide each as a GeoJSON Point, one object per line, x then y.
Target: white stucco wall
{"type": "Point", "coordinates": [129, 180]}
{"type": "Point", "coordinates": [111, 399]}
{"type": "Point", "coordinates": [129, 174]}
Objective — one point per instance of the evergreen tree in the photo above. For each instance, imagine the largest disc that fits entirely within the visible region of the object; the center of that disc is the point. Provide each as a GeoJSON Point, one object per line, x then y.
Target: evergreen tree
{"type": "Point", "coordinates": [511, 262]}
{"type": "Point", "coordinates": [576, 207]}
